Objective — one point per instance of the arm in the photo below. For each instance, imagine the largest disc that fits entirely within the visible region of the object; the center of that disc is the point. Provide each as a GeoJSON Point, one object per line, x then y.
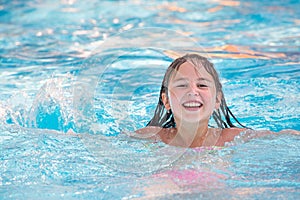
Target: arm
{"type": "Point", "coordinates": [289, 131]}
{"type": "Point", "coordinates": [244, 135]}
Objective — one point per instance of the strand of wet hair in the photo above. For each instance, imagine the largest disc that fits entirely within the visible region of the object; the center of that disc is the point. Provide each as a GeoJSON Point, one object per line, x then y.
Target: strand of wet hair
{"type": "Point", "coordinates": [227, 113]}
{"type": "Point", "coordinates": [170, 122]}
{"type": "Point", "coordinates": [218, 119]}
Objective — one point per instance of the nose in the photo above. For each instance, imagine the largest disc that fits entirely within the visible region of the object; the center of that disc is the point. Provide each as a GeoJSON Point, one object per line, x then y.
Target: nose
{"type": "Point", "coordinates": [193, 90]}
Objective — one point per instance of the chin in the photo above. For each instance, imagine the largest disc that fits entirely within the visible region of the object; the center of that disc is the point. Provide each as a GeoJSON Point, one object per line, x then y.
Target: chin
{"type": "Point", "coordinates": [192, 119]}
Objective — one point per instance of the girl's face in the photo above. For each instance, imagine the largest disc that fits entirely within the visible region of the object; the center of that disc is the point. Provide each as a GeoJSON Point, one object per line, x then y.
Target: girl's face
{"type": "Point", "coordinates": [191, 94]}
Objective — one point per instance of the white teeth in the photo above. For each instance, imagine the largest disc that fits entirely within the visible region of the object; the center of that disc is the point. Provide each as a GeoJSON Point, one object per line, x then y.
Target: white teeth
{"type": "Point", "coordinates": [192, 104]}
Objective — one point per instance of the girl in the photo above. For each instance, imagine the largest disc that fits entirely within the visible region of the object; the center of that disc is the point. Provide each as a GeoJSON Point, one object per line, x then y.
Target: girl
{"type": "Point", "coordinates": [191, 93]}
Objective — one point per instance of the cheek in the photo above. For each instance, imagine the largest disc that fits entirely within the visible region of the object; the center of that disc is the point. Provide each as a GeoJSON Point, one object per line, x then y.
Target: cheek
{"type": "Point", "coordinates": [210, 98]}
{"type": "Point", "coordinates": [174, 99]}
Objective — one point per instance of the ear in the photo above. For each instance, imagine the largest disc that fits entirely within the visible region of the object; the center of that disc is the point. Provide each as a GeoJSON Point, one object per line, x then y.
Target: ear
{"type": "Point", "coordinates": [165, 100]}
{"type": "Point", "coordinates": [218, 100]}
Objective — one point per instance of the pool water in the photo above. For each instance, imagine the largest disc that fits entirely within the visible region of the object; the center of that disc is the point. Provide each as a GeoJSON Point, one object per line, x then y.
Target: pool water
{"type": "Point", "coordinates": [77, 78]}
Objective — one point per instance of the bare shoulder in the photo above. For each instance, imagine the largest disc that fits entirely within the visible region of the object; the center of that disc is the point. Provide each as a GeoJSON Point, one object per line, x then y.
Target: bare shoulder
{"type": "Point", "coordinates": [156, 133]}
{"type": "Point", "coordinates": [232, 132]}
{"type": "Point", "coordinates": [149, 129]}
{"type": "Point", "coordinates": [228, 135]}
{"type": "Point", "coordinates": [149, 132]}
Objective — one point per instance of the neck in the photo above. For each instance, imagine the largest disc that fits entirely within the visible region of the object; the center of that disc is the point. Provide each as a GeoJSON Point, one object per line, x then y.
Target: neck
{"type": "Point", "coordinates": [191, 134]}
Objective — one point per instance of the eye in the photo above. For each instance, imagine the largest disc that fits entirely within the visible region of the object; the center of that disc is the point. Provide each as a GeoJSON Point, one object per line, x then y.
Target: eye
{"type": "Point", "coordinates": [202, 85]}
{"type": "Point", "coordinates": [182, 85]}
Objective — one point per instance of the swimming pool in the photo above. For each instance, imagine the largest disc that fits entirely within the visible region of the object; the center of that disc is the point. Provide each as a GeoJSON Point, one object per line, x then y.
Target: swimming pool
{"type": "Point", "coordinates": [95, 69]}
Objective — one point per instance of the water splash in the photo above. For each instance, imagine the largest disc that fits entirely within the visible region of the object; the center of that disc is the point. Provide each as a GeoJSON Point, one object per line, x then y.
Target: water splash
{"type": "Point", "coordinates": [51, 107]}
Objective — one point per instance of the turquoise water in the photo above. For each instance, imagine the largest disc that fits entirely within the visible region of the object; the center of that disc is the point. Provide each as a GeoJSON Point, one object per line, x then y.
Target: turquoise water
{"type": "Point", "coordinates": [76, 77]}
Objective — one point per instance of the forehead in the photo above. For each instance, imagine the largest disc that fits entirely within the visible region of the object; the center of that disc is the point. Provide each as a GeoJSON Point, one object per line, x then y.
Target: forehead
{"type": "Point", "coordinates": [189, 71]}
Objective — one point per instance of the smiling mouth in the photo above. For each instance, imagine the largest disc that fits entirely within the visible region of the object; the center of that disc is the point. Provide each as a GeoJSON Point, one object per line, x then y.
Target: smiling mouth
{"type": "Point", "coordinates": [193, 104]}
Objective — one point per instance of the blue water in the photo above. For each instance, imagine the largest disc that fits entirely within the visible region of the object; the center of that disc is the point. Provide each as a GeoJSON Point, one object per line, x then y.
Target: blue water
{"type": "Point", "coordinates": [77, 77]}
